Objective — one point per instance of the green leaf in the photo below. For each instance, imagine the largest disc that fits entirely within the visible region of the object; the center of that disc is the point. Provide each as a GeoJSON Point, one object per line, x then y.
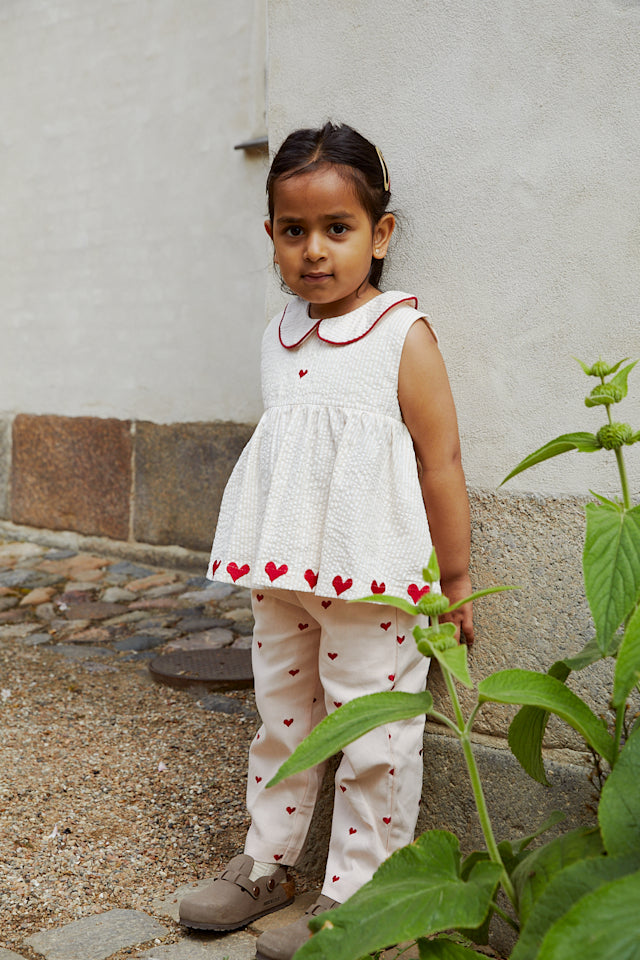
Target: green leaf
{"type": "Point", "coordinates": [620, 379]}
{"type": "Point", "coordinates": [611, 562]}
{"type": "Point", "coordinates": [349, 722]}
{"type": "Point", "coordinates": [431, 573]}
{"type": "Point", "coordinates": [541, 690]}
{"type": "Point", "coordinates": [444, 950]}
{"type": "Point", "coordinates": [453, 659]}
{"type": "Point", "coordinates": [477, 594]}
{"type": "Point", "coordinates": [390, 601]}
{"type": "Point", "coordinates": [563, 891]}
{"type": "Point", "coordinates": [604, 925]}
{"type": "Point", "coordinates": [584, 442]}
{"type": "Point", "coordinates": [536, 871]}
{"type": "Point", "coordinates": [415, 893]}
{"type": "Point", "coordinates": [619, 807]}
{"type": "Point", "coordinates": [627, 672]}
{"type": "Point", "coordinates": [527, 730]}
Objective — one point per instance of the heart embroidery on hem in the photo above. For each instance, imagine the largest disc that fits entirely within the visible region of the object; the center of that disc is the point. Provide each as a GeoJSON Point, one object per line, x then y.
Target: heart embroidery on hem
{"type": "Point", "coordinates": [259, 597]}
{"type": "Point", "coordinates": [277, 856]}
{"type": "Point", "coordinates": [290, 810]}
{"type": "Point", "coordinates": [385, 626]}
{"type": "Point", "coordinates": [258, 779]}
{"type": "Point", "coordinates": [340, 585]}
{"type": "Point", "coordinates": [293, 672]}
{"type": "Point", "coordinates": [352, 830]}
{"type": "Point", "coordinates": [400, 640]}
{"type": "Point", "coordinates": [386, 820]}
{"type": "Point", "coordinates": [288, 723]}
{"type": "Point", "coordinates": [302, 373]}
{"type": "Point", "coordinates": [214, 566]}
{"type": "Point", "coordinates": [416, 593]}
{"type": "Point", "coordinates": [335, 879]}
{"type": "Point", "coordinates": [377, 587]}
{"type": "Point", "coordinates": [311, 577]}
{"type": "Point", "coordinates": [303, 626]}
{"type": "Point", "coordinates": [332, 656]}
{"type": "Point", "coordinates": [326, 603]}
{"type": "Point", "coordinates": [274, 572]}
{"type": "Point", "coordinates": [235, 572]}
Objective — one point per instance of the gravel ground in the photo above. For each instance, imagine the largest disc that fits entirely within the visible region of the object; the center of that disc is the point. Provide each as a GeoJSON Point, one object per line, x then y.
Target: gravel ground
{"type": "Point", "coordinates": [114, 790]}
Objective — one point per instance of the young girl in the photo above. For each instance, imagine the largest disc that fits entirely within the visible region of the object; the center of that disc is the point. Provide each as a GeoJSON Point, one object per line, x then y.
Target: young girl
{"type": "Point", "coordinates": [329, 501]}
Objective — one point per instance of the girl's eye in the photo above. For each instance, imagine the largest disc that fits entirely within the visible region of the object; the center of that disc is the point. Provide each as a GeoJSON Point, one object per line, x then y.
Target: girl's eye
{"type": "Point", "coordinates": [338, 229]}
{"type": "Point", "coordinates": [294, 231]}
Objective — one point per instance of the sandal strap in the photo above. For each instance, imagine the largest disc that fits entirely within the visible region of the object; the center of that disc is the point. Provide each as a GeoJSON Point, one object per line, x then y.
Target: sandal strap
{"type": "Point", "coordinates": [242, 880]}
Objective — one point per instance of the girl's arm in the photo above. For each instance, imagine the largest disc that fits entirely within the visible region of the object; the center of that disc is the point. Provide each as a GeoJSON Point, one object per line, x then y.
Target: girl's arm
{"type": "Point", "coordinates": [429, 413]}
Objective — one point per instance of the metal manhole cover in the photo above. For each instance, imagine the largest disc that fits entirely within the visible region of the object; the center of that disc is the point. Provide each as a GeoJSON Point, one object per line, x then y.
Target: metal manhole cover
{"type": "Point", "coordinates": [223, 669]}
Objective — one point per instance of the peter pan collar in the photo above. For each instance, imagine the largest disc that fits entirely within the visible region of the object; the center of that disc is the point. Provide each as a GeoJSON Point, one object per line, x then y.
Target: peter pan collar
{"type": "Point", "coordinates": [296, 324]}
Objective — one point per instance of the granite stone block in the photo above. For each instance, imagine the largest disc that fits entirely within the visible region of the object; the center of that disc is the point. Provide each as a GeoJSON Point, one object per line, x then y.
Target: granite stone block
{"type": "Point", "coordinates": [98, 936]}
{"type": "Point", "coordinates": [233, 946]}
{"type": "Point", "coordinates": [180, 473]}
{"type": "Point", "coordinates": [72, 473]}
{"type": "Point", "coordinates": [5, 467]}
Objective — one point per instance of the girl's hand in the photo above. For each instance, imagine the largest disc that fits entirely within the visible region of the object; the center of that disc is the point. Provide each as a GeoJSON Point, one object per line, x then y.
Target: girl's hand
{"type": "Point", "coordinates": [456, 590]}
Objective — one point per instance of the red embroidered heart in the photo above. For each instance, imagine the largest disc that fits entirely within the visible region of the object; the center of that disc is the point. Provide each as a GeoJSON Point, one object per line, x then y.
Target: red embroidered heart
{"type": "Point", "coordinates": [302, 373]}
{"type": "Point", "coordinates": [288, 723]}
{"type": "Point", "coordinates": [340, 585]}
{"type": "Point", "coordinates": [344, 789]}
{"type": "Point", "coordinates": [337, 703]}
{"type": "Point", "coordinates": [377, 587]}
{"type": "Point", "coordinates": [214, 566]}
{"type": "Point", "coordinates": [259, 597]}
{"type": "Point", "coordinates": [392, 771]}
{"type": "Point", "coordinates": [400, 640]}
{"type": "Point", "coordinates": [352, 830]}
{"type": "Point", "coordinates": [385, 626]}
{"type": "Point", "coordinates": [391, 677]}
{"type": "Point", "coordinates": [290, 810]}
{"type": "Point", "coordinates": [303, 626]}
{"type": "Point", "coordinates": [326, 603]}
{"type": "Point", "coordinates": [274, 572]}
{"type": "Point", "coordinates": [277, 856]}
{"type": "Point", "coordinates": [293, 672]}
{"type": "Point", "coordinates": [258, 779]}
{"type": "Point", "coordinates": [386, 819]}
{"type": "Point", "coordinates": [332, 656]}
{"type": "Point", "coordinates": [257, 736]}
{"type": "Point", "coordinates": [235, 572]}
{"type": "Point", "coordinates": [311, 578]}
{"type": "Point", "coordinates": [415, 592]}
{"type": "Point", "coordinates": [259, 644]}
{"type": "Point", "coordinates": [335, 879]}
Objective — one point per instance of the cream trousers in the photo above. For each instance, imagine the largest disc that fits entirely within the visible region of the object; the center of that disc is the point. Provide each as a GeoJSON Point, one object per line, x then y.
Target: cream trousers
{"type": "Point", "coordinates": [310, 655]}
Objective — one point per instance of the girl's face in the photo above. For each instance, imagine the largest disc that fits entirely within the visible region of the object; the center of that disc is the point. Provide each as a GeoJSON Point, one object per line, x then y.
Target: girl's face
{"type": "Point", "coordinates": [324, 241]}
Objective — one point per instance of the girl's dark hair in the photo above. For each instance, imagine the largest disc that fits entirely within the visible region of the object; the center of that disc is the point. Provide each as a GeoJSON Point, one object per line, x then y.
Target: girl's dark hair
{"type": "Point", "coordinates": [341, 145]}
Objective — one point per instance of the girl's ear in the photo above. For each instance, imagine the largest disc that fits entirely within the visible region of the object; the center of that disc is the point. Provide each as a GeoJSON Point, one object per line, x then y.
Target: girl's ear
{"type": "Point", "coordinates": [268, 227]}
{"type": "Point", "coordinates": [382, 235]}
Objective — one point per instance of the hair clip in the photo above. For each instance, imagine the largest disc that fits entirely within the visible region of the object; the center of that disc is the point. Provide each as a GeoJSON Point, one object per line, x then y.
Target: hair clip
{"type": "Point", "coordinates": [385, 171]}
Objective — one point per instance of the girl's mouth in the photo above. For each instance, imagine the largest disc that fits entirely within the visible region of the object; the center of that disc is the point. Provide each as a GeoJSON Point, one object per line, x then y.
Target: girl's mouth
{"type": "Point", "coordinates": [316, 277]}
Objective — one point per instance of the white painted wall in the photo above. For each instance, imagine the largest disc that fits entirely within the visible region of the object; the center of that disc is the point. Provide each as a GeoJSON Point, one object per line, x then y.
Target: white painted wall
{"type": "Point", "coordinates": [512, 132]}
{"type": "Point", "coordinates": [132, 255]}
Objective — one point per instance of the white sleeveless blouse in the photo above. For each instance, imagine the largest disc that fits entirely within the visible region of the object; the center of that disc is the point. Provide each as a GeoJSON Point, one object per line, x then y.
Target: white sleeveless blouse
{"type": "Point", "coordinates": [325, 496]}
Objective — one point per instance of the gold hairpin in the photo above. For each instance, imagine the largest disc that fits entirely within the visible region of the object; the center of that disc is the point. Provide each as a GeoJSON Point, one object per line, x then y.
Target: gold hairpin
{"type": "Point", "coordinates": [385, 171]}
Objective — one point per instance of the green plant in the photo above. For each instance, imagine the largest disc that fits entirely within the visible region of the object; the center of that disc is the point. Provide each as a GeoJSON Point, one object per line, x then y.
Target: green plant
{"type": "Point", "coordinates": [577, 894]}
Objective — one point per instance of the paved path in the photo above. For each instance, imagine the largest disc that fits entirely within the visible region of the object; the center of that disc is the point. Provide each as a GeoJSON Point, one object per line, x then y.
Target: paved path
{"type": "Point", "coordinates": [86, 607]}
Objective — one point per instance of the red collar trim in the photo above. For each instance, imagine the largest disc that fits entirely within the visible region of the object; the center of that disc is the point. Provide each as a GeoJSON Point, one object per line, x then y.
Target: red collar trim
{"type": "Point", "coordinates": [296, 324]}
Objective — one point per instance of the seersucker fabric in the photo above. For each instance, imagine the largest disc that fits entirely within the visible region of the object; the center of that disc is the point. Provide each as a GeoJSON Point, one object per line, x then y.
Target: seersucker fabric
{"type": "Point", "coordinates": [325, 497]}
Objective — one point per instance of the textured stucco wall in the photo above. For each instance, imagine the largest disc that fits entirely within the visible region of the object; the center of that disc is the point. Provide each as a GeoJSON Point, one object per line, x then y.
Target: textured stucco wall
{"type": "Point", "coordinates": [512, 133]}
{"type": "Point", "coordinates": [132, 256]}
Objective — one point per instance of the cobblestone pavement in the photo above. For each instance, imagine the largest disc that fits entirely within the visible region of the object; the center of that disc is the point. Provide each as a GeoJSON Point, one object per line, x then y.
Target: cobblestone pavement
{"type": "Point", "coordinates": [63, 611]}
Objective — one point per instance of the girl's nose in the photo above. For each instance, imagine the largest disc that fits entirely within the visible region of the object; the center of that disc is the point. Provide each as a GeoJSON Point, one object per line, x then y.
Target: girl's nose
{"type": "Point", "coordinates": [315, 247]}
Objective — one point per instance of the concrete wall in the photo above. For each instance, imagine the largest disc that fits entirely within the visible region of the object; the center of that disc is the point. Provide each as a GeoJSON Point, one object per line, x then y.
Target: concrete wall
{"type": "Point", "coordinates": [132, 255]}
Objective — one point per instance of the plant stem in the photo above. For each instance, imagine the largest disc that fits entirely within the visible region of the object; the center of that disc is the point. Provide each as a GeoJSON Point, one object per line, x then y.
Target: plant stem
{"type": "Point", "coordinates": [626, 498]}
{"type": "Point", "coordinates": [620, 712]}
{"type": "Point", "coordinates": [476, 786]}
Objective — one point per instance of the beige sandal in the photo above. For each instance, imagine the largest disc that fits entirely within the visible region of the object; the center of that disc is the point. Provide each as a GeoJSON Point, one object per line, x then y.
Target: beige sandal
{"type": "Point", "coordinates": [233, 900]}
{"type": "Point", "coordinates": [282, 944]}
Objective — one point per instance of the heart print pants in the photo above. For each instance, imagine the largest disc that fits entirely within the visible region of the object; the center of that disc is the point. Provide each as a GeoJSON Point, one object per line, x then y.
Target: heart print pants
{"type": "Point", "coordinates": [310, 655]}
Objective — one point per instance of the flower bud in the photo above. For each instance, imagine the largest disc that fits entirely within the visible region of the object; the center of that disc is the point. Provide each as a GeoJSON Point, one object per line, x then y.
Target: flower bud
{"type": "Point", "coordinates": [600, 369]}
{"type": "Point", "coordinates": [432, 605]}
{"type": "Point", "coordinates": [613, 435]}
{"type": "Point", "coordinates": [604, 393]}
